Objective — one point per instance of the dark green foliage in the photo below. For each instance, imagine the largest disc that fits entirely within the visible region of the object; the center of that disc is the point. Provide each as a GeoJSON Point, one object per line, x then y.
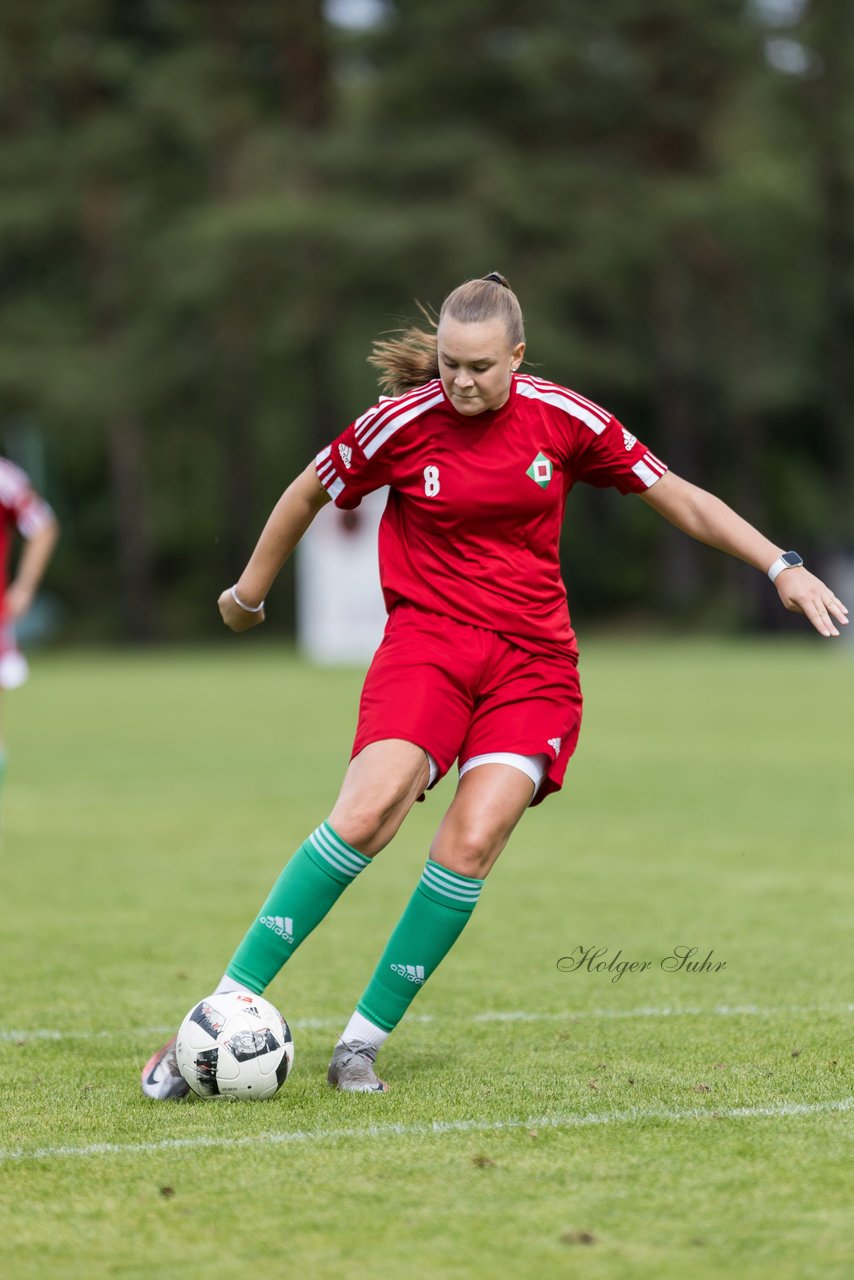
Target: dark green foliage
{"type": "Point", "coordinates": [210, 209]}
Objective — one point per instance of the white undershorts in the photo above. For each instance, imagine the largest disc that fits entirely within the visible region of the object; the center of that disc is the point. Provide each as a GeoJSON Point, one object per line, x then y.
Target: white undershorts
{"type": "Point", "coordinates": [534, 766]}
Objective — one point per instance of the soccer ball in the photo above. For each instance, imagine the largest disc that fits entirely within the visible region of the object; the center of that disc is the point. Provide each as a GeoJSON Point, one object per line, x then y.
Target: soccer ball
{"type": "Point", "coordinates": [235, 1045]}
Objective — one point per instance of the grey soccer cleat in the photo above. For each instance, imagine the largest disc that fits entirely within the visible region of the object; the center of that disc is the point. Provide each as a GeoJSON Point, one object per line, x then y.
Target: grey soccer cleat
{"type": "Point", "coordinates": [161, 1078]}
{"type": "Point", "coordinates": [352, 1069]}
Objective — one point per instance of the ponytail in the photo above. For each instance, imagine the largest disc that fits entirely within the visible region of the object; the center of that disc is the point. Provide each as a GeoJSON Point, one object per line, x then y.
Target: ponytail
{"type": "Point", "coordinates": [410, 357]}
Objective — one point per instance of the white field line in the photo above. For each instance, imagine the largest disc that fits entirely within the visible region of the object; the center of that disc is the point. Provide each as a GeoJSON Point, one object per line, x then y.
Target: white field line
{"type": "Point", "coordinates": [22, 1034]}
{"type": "Point", "coordinates": [560, 1120]}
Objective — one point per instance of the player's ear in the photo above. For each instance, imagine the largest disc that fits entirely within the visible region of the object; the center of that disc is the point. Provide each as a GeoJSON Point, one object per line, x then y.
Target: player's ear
{"type": "Point", "coordinates": [516, 355]}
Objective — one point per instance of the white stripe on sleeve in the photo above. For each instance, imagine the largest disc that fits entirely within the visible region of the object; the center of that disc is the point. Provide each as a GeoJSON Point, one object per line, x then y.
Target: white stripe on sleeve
{"type": "Point", "coordinates": [397, 422]}
{"type": "Point", "coordinates": [655, 463]}
{"type": "Point", "coordinates": [563, 400]}
{"type": "Point", "coordinates": [645, 473]}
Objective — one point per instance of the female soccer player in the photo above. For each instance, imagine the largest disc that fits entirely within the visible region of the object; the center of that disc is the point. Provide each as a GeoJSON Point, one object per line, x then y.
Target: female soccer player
{"type": "Point", "coordinates": [478, 661]}
{"type": "Point", "coordinates": [21, 509]}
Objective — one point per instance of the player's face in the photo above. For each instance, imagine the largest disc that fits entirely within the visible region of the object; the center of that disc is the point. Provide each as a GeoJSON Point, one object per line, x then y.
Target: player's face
{"type": "Point", "coordinates": [476, 362]}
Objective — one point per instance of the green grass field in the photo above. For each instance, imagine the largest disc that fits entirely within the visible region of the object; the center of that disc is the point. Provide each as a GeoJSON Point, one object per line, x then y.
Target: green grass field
{"type": "Point", "coordinates": [541, 1123]}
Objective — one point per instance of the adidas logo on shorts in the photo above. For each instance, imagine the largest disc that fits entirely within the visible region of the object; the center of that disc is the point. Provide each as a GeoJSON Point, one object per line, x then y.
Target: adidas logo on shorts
{"type": "Point", "coordinates": [556, 744]}
{"type": "Point", "coordinates": [629, 440]}
{"type": "Point", "coordinates": [411, 972]}
{"type": "Point", "coordinates": [282, 926]}
{"type": "Point", "coordinates": [346, 455]}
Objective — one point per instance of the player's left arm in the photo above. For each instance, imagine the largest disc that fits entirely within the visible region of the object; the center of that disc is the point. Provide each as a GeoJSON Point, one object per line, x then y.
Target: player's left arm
{"type": "Point", "coordinates": [706, 518]}
{"type": "Point", "coordinates": [37, 551]}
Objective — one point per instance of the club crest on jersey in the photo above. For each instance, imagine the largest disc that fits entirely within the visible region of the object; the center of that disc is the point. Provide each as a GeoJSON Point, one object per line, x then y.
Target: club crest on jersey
{"type": "Point", "coordinates": [346, 455]}
{"type": "Point", "coordinates": [540, 470]}
{"type": "Point", "coordinates": [629, 440]}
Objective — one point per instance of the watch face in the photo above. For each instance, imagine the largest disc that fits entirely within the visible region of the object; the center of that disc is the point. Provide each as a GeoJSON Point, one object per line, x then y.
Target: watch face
{"type": "Point", "coordinates": [792, 559]}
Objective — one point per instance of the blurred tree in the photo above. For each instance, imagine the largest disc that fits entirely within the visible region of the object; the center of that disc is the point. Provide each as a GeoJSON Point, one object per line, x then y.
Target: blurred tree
{"type": "Point", "coordinates": [830, 112]}
{"type": "Point", "coordinates": [210, 208]}
{"type": "Point", "coordinates": [577, 147]}
{"type": "Point", "coordinates": [73, 153]}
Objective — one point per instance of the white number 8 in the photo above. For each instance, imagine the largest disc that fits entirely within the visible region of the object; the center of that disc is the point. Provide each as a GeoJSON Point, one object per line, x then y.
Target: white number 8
{"type": "Point", "coordinates": [431, 481]}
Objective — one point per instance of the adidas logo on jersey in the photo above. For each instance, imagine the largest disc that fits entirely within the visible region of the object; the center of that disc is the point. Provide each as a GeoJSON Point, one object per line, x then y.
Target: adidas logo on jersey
{"type": "Point", "coordinates": [411, 972]}
{"type": "Point", "coordinates": [629, 440]}
{"type": "Point", "coordinates": [556, 744]}
{"type": "Point", "coordinates": [346, 455]}
{"type": "Point", "coordinates": [282, 926]}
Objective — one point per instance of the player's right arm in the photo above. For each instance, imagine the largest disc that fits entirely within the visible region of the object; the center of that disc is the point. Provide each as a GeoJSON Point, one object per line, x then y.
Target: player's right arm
{"type": "Point", "coordinates": [38, 548]}
{"type": "Point", "coordinates": [288, 521]}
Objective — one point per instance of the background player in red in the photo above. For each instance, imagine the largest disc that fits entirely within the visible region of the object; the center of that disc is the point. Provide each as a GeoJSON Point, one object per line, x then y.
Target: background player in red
{"type": "Point", "coordinates": [21, 508]}
{"type": "Point", "coordinates": [478, 661]}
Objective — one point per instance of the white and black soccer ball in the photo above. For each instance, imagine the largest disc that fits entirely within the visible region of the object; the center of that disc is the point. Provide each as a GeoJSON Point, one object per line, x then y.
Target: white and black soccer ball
{"type": "Point", "coordinates": [235, 1046]}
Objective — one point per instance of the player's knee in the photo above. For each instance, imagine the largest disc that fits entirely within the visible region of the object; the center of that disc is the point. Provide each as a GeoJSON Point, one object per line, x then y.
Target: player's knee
{"type": "Point", "coordinates": [359, 825]}
{"type": "Point", "coordinates": [471, 851]}
{"type": "Point", "coordinates": [366, 822]}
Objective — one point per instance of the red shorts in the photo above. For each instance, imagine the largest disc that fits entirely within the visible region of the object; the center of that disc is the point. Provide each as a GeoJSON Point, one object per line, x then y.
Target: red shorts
{"type": "Point", "coordinates": [460, 691]}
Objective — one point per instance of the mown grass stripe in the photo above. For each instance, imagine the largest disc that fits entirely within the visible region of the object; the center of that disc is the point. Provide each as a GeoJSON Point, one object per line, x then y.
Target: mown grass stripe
{"type": "Point", "coordinates": [14, 1034]}
{"type": "Point", "coordinates": [568, 1120]}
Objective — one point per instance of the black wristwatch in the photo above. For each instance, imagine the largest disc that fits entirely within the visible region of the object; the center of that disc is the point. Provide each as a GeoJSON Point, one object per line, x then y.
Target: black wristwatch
{"type": "Point", "coordinates": [788, 560]}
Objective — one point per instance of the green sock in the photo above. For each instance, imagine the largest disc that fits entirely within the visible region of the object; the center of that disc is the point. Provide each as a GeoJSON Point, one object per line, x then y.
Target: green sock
{"type": "Point", "coordinates": [437, 913]}
{"type": "Point", "coordinates": [311, 883]}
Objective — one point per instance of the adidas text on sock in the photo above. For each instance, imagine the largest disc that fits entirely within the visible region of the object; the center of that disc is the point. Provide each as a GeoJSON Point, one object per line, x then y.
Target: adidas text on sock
{"type": "Point", "coordinates": [309, 886]}
{"type": "Point", "coordinates": [434, 918]}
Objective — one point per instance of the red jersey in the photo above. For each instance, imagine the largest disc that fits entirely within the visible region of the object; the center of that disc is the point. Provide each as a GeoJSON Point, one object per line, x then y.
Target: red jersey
{"type": "Point", "coordinates": [21, 508]}
{"type": "Point", "coordinates": [471, 529]}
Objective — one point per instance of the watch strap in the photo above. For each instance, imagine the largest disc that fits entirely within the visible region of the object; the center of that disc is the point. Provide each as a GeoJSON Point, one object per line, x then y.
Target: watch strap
{"type": "Point", "coordinates": [788, 560]}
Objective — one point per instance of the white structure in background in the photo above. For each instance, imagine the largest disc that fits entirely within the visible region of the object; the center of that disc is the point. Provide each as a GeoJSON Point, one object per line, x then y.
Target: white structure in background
{"type": "Point", "coordinates": [839, 576]}
{"type": "Point", "coordinates": [340, 610]}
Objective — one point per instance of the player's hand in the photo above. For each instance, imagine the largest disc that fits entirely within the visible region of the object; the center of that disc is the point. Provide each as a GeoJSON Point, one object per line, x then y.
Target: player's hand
{"type": "Point", "coordinates": [16, 601]}
{"type": "Point", "coordinates": [236, 618]}
{"type": "Point", "coordinates": [801, 592]}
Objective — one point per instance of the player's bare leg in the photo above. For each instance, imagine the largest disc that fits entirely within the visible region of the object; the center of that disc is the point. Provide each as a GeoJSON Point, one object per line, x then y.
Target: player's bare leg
{"type": "Point", "coordinates": [380, 786]}
{"type": "Point", "coordinates": [379, 789]}
{"type": "Point", "coordinates": [489, 801]}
